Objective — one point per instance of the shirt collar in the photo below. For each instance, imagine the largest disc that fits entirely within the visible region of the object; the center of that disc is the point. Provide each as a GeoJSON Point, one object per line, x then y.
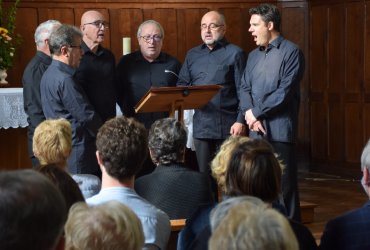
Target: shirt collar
{"type": "Point", "coordinates": [160, 58]}
{"type": "Point", "coordinates": [86, 49]}
{"type": "Point", "coordinates": [275, 43]}
{"type": "Point", "coordinates": [219, 44]}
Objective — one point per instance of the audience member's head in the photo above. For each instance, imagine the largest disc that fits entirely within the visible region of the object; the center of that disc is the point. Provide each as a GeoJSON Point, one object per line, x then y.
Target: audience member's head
{"type": "Point", "coordinates": [122, 145]}
{"type": "Point", "coordinates": [42, 34]}
{"type": "Point", "coordinates": [221, 210]}
{"type": "Point", "coordinates": [32, 211]}
{"type": "Point", "coordinates": [64, 182]}
{"type": "Point", "coordinates": [52, 142]}
{"type": "Point", "coordinates": [254, 170]}
{"type": "Point", "coordinates": [167, 141]}
{"type": "Point", "coordinates": [248, 226]}
{"type": "Point", "coordinates": [220, 162]}
{"type": "Point", "coordinates": [109, 226]}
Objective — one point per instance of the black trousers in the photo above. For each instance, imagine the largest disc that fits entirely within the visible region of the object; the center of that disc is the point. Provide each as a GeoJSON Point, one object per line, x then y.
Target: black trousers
{"type": "Point", "coordinates": [287, 153]}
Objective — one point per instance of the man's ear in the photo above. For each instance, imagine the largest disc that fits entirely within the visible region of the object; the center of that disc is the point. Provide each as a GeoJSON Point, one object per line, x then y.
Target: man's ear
{"type": "Point", "coordinates": [98, 157]}
{"type": "Point", "coordinates": [270, 26]}
{"type": "Point", "coordinates": [366, 175]}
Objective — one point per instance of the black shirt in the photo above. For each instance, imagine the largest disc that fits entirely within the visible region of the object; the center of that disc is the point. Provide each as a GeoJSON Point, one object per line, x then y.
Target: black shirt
{"type": "Point", "coordinates": [136, 76]}
{"type": "Point", "coordinates": [96, 74]}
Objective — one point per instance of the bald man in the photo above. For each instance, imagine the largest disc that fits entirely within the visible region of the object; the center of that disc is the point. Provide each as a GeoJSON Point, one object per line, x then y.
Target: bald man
{"type": "Point", "coordinates": [96, 72]}
{"type": "Point", "coordinates": [215, 61]}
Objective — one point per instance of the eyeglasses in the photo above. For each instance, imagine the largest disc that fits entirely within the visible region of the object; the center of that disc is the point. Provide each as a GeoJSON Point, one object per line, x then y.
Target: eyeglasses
{"type": "Point", "coordinates": [99, 24]}
{"type": "Point", "coordinates": [75, 46]}
{"type": "Point", "coordinates": [211, 26]}
{"type": "Point", "coordinates": [148, 39]}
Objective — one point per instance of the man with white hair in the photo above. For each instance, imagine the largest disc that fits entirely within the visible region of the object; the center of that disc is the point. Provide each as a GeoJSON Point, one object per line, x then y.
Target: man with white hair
{"type": "Point", "coordinates": [351, 230]}
{"type": "Point", "coordinates": [32, 78]}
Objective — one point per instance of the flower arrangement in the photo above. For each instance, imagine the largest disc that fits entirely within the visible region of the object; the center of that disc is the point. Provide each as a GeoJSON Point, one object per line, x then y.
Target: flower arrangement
{"type": "Point", "coordinates": [8, 40]}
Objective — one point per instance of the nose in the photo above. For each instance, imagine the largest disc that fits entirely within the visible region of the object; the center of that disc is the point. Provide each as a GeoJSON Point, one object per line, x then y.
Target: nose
{"type": "Point", "coordinates": [250, 29]}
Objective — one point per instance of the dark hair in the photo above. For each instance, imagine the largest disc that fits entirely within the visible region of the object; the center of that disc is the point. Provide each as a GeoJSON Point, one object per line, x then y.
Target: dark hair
{"type": "Point", "coordinates": [268, 13]}
{"type": "Point", "coordinates": [32, 211]}
{"type": "Point", "coordinates": [64, 35]}
{"type": "Point", "coordinates": [254, 170]}
{"type": "Point", "coordinates": [167, 141]}
{"type": "Point", "coordinates": [123, 145]}
{"type": "Point", "coordinates": [64, 182]}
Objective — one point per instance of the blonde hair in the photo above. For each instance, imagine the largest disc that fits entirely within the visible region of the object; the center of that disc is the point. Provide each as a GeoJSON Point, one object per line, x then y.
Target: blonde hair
{"type": "Point", "coordinates": [108, 226]}
{"type": "Point", "coordinates": [220, 162]}
{"type": "Point", "coordinates": [253, 227]}
{"type": "Point", "coordinates": [52, 142]}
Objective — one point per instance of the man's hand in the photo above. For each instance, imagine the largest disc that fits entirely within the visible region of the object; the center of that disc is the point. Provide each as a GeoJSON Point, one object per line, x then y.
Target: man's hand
{"type": "Point", "coordinates": [258, 127]}
{"type": "Point", "coordinates": [238, 129]}
{"type": "Point", "coordinates": [250, 119]}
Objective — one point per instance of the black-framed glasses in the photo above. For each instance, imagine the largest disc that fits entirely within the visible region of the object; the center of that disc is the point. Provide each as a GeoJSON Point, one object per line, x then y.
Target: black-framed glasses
{"type": "Point", "coordinates": [155, 38]}
{"type": "Point", "coordinates": [211, 26]}
{"type": "Point", "coordinates": [99, 24]}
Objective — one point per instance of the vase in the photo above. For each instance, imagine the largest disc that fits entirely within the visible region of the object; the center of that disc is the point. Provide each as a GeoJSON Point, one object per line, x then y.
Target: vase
{"type": "Point", "coordinates": [3, 76]}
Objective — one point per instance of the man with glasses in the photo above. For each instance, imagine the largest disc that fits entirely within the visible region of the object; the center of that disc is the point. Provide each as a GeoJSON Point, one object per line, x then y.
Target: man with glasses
{"type": "Point", "coordinates": [63, 97]}
{"type": "Point", "coordinates": [96, 72]}
{"type": "Point", "coordinates": [143, 69]}
{"type": "Point", "coordinates": [216, 61]}
{"type": "Point", "coordinates": [139, 71]}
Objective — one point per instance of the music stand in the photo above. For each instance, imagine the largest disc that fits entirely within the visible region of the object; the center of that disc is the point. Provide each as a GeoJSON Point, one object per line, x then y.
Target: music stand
{"type": "Point", "coordinates": [170, 99]}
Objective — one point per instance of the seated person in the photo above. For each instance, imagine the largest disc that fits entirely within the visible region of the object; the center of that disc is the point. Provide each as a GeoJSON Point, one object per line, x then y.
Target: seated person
{"type": "Point", "coordinates": [253, 169]}
{"type": "Point", "coordinates": [172, 187]}
{"type": "Point", "coordinates": [32, 212]}
{"type": "Point", "coordinates": [108, 226]}
{"type": "Point", "coordinates": [251, 226]}
{"type": "Point", "coordinates": [52, 144]}
{"type": "Point", "coordinates": [351, 230]}
{"type": "Point", "coordinates": [64, 182]}
{"type": "Point", "coordinates": [122, 144]}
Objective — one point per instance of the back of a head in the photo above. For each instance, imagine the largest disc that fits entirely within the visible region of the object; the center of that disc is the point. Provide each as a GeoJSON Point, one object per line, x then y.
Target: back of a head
{"type": "Point", "coordinates": [251, 227]}
{"type": "Point", "coordinates": [221, 160]}
{"type": "Point", "coordinates": [365, 157]}
{"type": "Point", "coordinates": [254, 170]}
{"type": "Point", "coordinates": [64, 182]}
{"type": "Point", "coordinates": [109, 226]}
{"type": "Point", "coordinates": [167, 141]}
{"type": "Point", "coordinates": [44, 30]}
{"type": "Point", "coordinates": [52, 141]}
{"type": "Point", "coordinates": [122, 144]}
{"type": "Point", "coordinates": [32, 211]}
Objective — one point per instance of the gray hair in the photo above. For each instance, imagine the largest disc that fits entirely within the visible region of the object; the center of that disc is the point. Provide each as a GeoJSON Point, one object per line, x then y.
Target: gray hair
{"type": "Point", "coordinates": [167, 141]}
{"type": "Point", "coordinates": [150, 22]}
{"type": "Point", "coordinates": [221, 210]}
{"type": "Point", "coordinates": [44, 30]}
{"type": "Point", "coordinates": [365, 157]}
{"type": "Point", "coordinates": [64, 35]}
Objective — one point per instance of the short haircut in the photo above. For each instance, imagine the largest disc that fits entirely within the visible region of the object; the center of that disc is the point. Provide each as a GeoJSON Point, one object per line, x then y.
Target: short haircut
{"type": "Point", "coordinates": [52, 142]}
{"type": "Point", "coordinates": [122, 144]}
{"type": "Point", "coordinates": [64, 182]}
{"type": "Point", "coordinates": [250, 227]}
{"type": "Point", "coordinates": [32, 211]}
{"type": "Point", "coordinates": [167, 141]}
{"type": "Point", "coordinates": [254, 170]}
{"type": "Point", "coordinates": [219, 212]}
{"type": "Point", "coordinates": [365, 156]}
{"type": "Point", "coordinates": [108, 226]}
{"type": "Point", "coordinates": [64, 35]}
{"type": "Point", "coordinates": [220, 162]}
{"type": "Point", "coordinates": [268, 13]}
{"type": "Point", "coordinates": [139, 30]}
{"type": "Point", "coordinates": [44, 30]}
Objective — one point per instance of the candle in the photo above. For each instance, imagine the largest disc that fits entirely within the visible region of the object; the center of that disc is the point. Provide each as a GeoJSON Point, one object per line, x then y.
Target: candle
{"type": "Point", "coordinates": [126, 43]}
